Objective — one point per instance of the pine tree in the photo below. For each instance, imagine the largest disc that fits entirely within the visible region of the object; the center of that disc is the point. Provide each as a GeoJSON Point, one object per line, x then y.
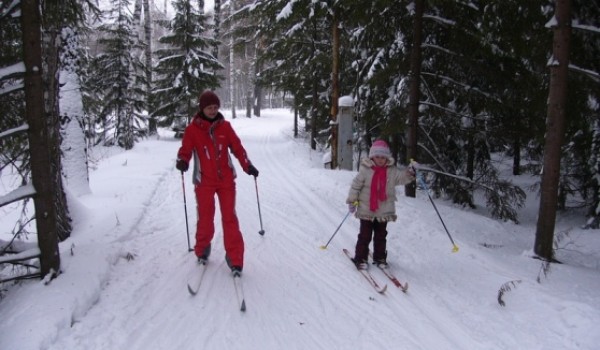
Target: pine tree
{"type": "Point", "coordinates": [120, 80]}
{"type": "Point", "coordinates": [185, 67]}
{"type": "Point", "coordinates": [297, 57]}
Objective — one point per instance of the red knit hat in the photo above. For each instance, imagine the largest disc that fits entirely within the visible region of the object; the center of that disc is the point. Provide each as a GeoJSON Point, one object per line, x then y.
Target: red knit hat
{"type": "Point", "coordinates": [208, 98]}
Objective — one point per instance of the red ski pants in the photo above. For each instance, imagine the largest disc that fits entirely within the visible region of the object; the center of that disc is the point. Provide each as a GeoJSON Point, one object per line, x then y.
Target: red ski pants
{"type": "Point", "coordinates": [205, 228]}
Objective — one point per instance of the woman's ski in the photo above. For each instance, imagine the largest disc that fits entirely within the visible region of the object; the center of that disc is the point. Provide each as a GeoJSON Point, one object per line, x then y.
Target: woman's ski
{"type": "Point", "coordinates": [196, 280]}
{"type": "Point", "coordinates": [368, 276]}
{"type": "Point", "coordinates": [239, 290]}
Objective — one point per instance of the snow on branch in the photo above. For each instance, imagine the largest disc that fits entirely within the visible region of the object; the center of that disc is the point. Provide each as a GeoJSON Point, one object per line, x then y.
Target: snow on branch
{"type": "Point", "coordinates": [440, 20]}
{"type": "Point", "coordinates": [13, 131]}
{"type": "Point", "coordinates": [18, 194]}
{"type": "Point", "coordinates": [576, 25]}
{"type": "Point", "coordinates": [12, 70]}
{"type": "Point", "coordinates": [590, 73]}
{"type": "Point", "coordinates": [464, 86]}
{"type": "Point", "coordinates": [11, 9]}
{"type": "Point", "coordinates": [502, 198]}
{"type": "Point", "coordinates": [461, 178]}
{"type": "Point", "coordinates": [26, 255]}
{"type": "Point", "coordinates": [450, 111]}
{"type": "Point", "coordinates": [11, 87]}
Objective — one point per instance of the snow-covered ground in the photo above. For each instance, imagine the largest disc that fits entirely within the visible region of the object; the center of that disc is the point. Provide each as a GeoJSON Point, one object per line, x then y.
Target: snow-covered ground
{"type": "Point", "coordinates": [125, 268]}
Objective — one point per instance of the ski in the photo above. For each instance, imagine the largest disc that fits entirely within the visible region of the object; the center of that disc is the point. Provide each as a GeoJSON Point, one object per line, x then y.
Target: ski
{"type": "Point", "coordinates": [367, 275]}
{"type": "Point", "coordinates": [196, 280]}
{"type": "Point", "coordinates": [397, 283]}
{"type": "Point", "coordinates": [239, 290]}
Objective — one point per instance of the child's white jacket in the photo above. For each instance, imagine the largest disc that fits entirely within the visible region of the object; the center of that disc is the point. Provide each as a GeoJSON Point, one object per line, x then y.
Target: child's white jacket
{"type": "Point", "coordinates": [360, 190]}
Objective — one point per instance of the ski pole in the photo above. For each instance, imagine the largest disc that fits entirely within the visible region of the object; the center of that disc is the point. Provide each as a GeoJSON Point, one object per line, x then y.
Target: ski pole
{"type": "Point", "coordinates": [336, 230]}
{"type": "Point", "coordinates": [187, 228]}
{"type": "Point", "coordinates": [261, 232]}
{"type": "Point", "coordinates": [422, 182]}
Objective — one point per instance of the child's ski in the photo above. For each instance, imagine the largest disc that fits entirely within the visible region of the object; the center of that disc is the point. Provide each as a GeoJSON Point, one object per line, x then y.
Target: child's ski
{"type": "Point", "coordinates": [368, 276]}
{"type": "Point", "coordinates": [388, 274]}
{"type": "Point", "coordinates": [397, 283]}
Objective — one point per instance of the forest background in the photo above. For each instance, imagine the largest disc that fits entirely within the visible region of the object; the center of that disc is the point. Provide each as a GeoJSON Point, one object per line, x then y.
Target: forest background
{"type": "Point", "coordinates": [476, 84]}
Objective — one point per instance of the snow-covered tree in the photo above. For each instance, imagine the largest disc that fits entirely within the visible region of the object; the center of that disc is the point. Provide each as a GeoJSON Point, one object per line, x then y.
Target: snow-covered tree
{"type": "Point", "coordinates": [185, 67]}
{"type": "Point", "coordinates": [148, 55]}
{"type": "Point", "coordinates": [120, 79]}
{"type": "Point", "coordinates": [74, 144]}
{"type": "Point", "coordinates": [594, 213]}
{"type": "Point", "coordinates": [297, 58]}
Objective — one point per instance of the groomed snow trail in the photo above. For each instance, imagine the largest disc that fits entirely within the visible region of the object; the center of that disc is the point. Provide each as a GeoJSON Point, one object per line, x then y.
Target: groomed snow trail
{"type": "Point", "coordinates": [298, 296]}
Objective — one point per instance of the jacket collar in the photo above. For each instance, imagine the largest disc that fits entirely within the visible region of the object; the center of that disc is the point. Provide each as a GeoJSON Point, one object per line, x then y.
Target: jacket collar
{"type": "Point", "coordinates": [202, 121]}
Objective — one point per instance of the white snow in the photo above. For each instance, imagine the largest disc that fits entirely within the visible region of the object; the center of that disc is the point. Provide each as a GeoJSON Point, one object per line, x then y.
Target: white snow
{"type": "Point", "coordinates": [125, 268]}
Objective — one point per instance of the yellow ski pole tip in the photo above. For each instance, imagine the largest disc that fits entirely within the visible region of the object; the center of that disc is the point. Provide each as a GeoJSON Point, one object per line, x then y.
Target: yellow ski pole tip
{"type": "Point", "coordinates": [455, 249]}
{"type": "Point", "coordinates": [323, 247]}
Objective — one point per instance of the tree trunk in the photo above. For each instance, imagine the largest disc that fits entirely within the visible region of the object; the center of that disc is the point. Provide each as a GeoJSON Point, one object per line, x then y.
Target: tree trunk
{"type": "Point", "coordinates": [313, 113]}
{"type": "Point", "coordinates": [39, 140]}
{"type": "Point", "coordinates": [594, 213]}
{"type": "Point", "coordinates": [74, 147]}
{"type": "Point", "coordinates": [414, 93]}
{"type": "Point", "coordinates": [555, 131]}
{"type": "Point", "coordinates": [152, 124]}
{"type": "Point", "coordinates": [257, 78]}
{"type": "Point", "coordinates": [517, 156]}
{"type": "Point", "coordinates": [335, 90]}
{"type": "Point", "coordinates": [217, 20]}
{"type": "Point", "coordinates": [249, 58]}
{"type": "Point", "coordinates": [295, 117]}
{"type": "Point", "coordinates": [53, 25]}
{"type": "Point", "coordinates": [232, 64]}
{"type": "Point", "coordinates": [471, 153]}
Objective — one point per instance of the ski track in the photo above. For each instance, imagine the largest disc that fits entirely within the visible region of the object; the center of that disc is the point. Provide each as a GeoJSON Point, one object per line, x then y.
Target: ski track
{"type": "Point", "coordinates": [285, 270]}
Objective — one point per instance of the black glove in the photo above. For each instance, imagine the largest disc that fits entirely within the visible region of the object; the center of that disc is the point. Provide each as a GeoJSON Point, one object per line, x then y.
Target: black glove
{"type": "Point", "coordinates": [252, 170]}
{"type": "Point", "coordinates": [182, 165]}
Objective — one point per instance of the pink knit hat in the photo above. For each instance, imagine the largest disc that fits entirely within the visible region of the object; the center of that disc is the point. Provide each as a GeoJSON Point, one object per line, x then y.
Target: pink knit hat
{"type": "Point", "coordinates": [208, 98]}
{"type": "Point", "coordinates": [380, 148]}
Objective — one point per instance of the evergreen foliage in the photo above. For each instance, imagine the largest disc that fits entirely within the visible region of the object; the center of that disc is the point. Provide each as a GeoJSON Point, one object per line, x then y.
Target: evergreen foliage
{"type": "Point", "coordinates": [484, 82]}
{"type": "Point", "coordinates": [120, 85]}
{"type": "Point", "coordinates": [13, 150]}
{"type": "Point", "coordinates": [297, 56]}
{"type": "Point", "coordinates": [185, 66]}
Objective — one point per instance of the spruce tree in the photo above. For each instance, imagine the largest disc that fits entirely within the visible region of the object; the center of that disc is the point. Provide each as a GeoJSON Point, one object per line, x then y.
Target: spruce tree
{"type": "Point", "coordinates": [120, 79]}
{"type": "Point", "coordinates": [297, 57]}
{"type": "Point", "coordinates": [186, 65]}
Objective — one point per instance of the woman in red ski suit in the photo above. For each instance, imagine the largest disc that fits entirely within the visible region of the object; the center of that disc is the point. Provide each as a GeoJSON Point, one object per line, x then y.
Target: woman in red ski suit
{"type": "Point", "coordinates": [208, 138]}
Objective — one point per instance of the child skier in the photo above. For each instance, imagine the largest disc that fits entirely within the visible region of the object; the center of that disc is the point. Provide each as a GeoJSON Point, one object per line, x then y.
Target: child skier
{"type": "Point", "coordinates": [372, 196]}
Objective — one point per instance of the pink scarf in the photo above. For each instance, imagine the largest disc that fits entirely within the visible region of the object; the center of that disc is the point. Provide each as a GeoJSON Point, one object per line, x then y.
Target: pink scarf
{"type": "Point", "coordinates": [378, 190]}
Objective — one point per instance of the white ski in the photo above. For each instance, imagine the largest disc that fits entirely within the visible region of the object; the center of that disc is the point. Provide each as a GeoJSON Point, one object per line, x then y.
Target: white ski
{"type": "Point", "coordinates": [196, 280]}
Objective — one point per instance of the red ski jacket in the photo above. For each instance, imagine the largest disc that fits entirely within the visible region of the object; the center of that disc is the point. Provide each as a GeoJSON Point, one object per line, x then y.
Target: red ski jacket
{"type": "Point", "coordinates": [209, 143]}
